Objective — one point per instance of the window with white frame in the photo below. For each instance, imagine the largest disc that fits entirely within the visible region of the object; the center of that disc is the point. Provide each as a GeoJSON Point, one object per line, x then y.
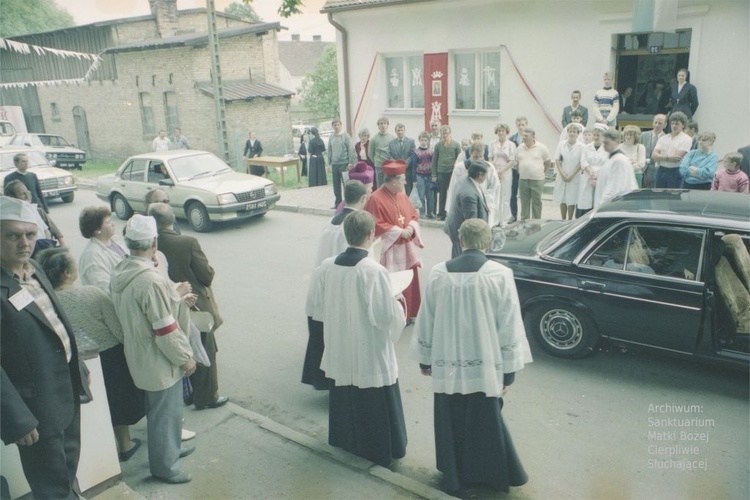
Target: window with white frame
{"type": "Point", "coordinates": [477, 80]}
{"type": "Point", "coordinates": [405, 81]}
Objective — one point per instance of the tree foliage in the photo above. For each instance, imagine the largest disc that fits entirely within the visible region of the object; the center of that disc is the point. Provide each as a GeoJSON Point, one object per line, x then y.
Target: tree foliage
{"type": "Point", "coordinates": [320, 89]}
{"type": "Point", "coordinates": [287, 8]}
{"type": "Point", "coordinates": [22, 17]}
{"type": "Point", "coordinates": [243, 10]}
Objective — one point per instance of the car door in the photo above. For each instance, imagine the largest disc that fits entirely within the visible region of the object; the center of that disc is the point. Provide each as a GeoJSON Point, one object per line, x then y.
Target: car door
{"type": "Point", "coordinates": [132, 183]}
{"type": "Point", "coordinates": [643, 285]}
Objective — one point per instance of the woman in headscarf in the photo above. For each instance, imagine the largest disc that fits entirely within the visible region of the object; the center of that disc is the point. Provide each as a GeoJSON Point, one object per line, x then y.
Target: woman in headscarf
{"type": "Point", "coordinates": [316, 165]}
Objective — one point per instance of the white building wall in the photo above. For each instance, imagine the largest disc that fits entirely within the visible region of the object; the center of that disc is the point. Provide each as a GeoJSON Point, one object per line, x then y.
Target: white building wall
{"type": "Point", "coordinates": [558, 46]}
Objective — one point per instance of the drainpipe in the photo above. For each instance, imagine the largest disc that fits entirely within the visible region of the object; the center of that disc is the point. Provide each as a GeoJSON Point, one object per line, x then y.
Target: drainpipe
{"type": "Point", "coordinates": [345, 57]}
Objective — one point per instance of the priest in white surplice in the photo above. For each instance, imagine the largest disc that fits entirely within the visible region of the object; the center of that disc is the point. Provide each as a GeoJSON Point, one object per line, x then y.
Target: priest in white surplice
{"type": "Point", "coordinates": [352, 295]}
{"type": "Point", "coordinates": [470, 338]}
{"type": "Point", "coordinates": [332, 242]}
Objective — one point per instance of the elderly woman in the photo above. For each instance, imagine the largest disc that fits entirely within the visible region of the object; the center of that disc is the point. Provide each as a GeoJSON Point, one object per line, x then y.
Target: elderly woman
{"type": "Point", "coordinates": [102, 253]}
{"type": "Point", "coordinates": [361, 148]}
{"type": "Point", "coordinates": [91, 313]}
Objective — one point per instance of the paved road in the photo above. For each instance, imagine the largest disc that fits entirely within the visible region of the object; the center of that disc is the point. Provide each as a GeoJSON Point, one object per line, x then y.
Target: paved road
{"type": "Point", "coordinates": [581, 427]}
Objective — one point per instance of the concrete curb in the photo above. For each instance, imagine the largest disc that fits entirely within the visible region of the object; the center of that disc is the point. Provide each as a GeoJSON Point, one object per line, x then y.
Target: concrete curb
{"type": "Point", "coordinates": [344, 458]}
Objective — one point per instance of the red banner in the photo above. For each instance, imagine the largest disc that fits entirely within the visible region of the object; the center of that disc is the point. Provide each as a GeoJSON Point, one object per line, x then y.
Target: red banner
{"type": "Point", "coordinates": [435, 88]}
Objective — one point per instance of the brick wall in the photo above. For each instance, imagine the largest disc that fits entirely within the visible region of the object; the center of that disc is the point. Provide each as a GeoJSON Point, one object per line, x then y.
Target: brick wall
{"type": "Point", "coordinates": [113, 107]}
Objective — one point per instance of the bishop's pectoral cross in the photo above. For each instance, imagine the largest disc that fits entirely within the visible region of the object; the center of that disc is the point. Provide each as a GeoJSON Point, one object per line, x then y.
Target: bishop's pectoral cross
{"type": "Point", "coordinates": [401, 219]}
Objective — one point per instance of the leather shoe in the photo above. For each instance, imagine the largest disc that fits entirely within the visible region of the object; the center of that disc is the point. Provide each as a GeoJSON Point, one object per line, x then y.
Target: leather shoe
{"type": "Point", "coordinates": [186, 450]}
{"type": "Point", "coordinates": [179, 478]}
{"type": "Point", "coordinates": [220, 401]}
{"type": "Point", "coordinates": [127, 455]}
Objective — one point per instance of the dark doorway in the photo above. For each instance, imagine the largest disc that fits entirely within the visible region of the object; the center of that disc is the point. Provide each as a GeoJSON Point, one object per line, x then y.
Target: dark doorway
{"type": "Point", "coordinates": [82, 129]}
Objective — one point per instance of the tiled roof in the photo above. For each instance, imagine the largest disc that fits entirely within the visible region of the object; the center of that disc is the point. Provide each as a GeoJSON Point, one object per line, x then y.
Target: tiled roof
{"type": "Point", "coordinates": [245, 90]}
{"type": "Point", "coordinates": [194, 39]}
{"type": "Point", "coordinates": [298, 57]}
{"type": "Point", "coordinates": [338, 5]}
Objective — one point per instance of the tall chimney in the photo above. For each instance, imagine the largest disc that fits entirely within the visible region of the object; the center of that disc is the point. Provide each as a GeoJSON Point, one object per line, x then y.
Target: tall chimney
{"type": "Point", "coordinates": [166, 16]}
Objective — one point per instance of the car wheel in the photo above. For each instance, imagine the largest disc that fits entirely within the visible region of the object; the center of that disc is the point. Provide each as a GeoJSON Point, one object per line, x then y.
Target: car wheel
{"type": "Point", "coordinates": [68, 197]}
{"type": "Point", "coordinates": [197, 216]}
{"type": "Point", "coordinates": [563, 330]}
{"type": "Point", "coordinates": [121, 207]}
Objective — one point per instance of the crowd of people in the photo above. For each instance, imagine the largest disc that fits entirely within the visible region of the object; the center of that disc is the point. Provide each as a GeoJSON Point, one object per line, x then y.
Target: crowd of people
{"type": "Point", "coordinates": [148, 307]}
{"type": "Point", "coordinates": [469, 335]}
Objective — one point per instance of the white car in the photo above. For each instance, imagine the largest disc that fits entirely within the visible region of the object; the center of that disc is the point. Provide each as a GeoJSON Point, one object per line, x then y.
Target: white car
{"type": "Point", "coordinates": [202, 188]}
{"type": "Point", "coordinates": [55, 182]}
{"type": "Point", "coordinates": [58, 150]}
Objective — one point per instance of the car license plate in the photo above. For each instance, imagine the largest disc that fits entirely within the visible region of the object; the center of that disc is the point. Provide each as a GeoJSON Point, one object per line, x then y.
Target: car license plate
{"type": "Point", "coordinates": [51, 193]}
{"type": "Point", "coordinates": [256, 205]}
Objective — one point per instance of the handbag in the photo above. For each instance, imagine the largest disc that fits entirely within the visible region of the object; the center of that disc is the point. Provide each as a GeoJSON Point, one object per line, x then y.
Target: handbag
{"type": "Point", "coordinates": [204, 320]}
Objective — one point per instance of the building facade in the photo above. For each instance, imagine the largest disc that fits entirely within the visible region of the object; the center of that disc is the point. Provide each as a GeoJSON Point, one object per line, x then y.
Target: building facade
{"type": "Point", "coordinates": [476, 63]}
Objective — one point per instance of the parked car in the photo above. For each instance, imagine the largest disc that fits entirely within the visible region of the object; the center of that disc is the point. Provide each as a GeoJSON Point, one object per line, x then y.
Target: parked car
{"type": "Point", "coordinates": [641, 270]}
{"type": "Point", "coordinates": [55, 182]}
{"type": "Point", "coordinates": [58, 150]}
{"type": "Point", "coordinates": [201, 187]}
{"type": "Point", "coordinates": [7, 131]}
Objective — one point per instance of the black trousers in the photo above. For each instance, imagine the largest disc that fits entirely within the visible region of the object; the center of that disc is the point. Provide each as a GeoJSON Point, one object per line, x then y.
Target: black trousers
{"type": "Point", "coordinates": [514, 193]}
{"type": "Point", "coordinates": [50, 465]}
{"type": "Point", "coordinates": [443, 181]}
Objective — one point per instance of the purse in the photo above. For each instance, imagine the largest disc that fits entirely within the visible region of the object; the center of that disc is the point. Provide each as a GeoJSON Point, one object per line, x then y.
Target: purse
{"type": "Point", "coordinates": [204, 320]}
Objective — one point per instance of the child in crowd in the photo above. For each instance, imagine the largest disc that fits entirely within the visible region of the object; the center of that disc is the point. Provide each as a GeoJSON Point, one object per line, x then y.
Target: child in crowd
{"type": "Point", "coordinates": [699, 165]}
{"type": "Point", "coordinates": [568, 165]}
{"type": "Point", "coordinates": [635, 151]}
{"type": "Point", "coordinates": [420, 162]}
{"type": "Point", "coordinates": [576, 118]}
{"type": "Point", "coordinates": [477, 137]}
{"type": "Point", "coordinates": [731, 179]}
{"type": "Point", "coordinates": [592, 159]}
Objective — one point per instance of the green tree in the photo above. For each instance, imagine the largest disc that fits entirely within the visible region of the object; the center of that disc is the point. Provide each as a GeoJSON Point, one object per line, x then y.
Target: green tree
{"type": "Point", "coordinates": [21, 17]}
{"type": "Point", "coordinates": [287, 8]}
{"type": "Point", "coordinates": [243, 11]}
{"type": "Point", "coordinates": [320, 89]}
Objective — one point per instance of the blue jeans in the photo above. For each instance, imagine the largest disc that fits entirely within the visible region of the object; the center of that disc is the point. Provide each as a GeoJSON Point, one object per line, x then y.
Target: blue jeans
{"type": "Point", "coordinates": [668, 178]}
{"type": "Point", "coordinates": [426, 196]}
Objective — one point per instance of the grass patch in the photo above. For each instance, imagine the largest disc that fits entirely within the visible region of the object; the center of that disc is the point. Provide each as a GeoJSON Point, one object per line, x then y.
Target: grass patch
{"type": "Point", "coordinates": [94, 168]}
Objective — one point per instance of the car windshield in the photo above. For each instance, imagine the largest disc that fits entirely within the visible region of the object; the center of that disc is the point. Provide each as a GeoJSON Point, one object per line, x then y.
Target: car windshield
{"type": "Point", "coordinates": [557, 235]}
{"type": "Point", "coordinates": [36, 159]}
{"type": "Point", "coordinates": [50, 140]}
{"type": "Point", "coordinates": [195, 166]}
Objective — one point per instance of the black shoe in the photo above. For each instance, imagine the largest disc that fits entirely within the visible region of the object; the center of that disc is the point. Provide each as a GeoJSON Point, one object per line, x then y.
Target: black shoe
{"type": "Point", "coordinates": [441, 217]}
{"type": "Point", "coordinates": [512, 220]}
{"type": "Point", "coordinates": [186, 450]}
{"type": "Point", "coordinates": [127, 455]}
{"type": "Point", "coordinates": [220, 401]}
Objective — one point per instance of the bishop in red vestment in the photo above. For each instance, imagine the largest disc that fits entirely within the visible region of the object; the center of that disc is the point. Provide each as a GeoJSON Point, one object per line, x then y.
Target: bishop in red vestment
{"type": "Point", "coordinates": [397, 224]}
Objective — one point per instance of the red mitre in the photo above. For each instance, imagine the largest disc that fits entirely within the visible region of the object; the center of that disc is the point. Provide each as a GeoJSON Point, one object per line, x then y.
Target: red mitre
{"type": "Point", "coordinates": [394, 167]}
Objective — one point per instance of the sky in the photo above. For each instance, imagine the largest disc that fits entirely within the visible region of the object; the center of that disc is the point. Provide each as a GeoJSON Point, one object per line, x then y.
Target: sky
{"type": "Point", "coordinates": [310, 22]}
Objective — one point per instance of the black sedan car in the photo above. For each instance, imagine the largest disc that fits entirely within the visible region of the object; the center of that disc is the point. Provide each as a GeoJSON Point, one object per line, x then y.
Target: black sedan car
{"type": "Point", "coordinates": [666, 269]}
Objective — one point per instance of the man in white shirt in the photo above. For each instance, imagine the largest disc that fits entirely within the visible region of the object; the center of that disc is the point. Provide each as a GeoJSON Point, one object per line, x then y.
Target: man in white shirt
{"type": "Point", "coordinates": [533, 161]}
{"type": "Point", "coordinates": [352, 295]}
{"type": "Point", "coordinates": [162, 142]}
{"type": "Point", "coordinates": [669, 151]}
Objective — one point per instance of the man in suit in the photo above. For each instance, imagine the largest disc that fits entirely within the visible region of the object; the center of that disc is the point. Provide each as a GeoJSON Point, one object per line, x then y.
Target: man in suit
{"type": "Point", "coordinates": [745, 164]}
{"type": "Point", "coordinates": [401, 148]}
{"type": "Point", "coordinates": [469, 202]}
{"type": "Point", "coordinates": [253, 148]}
{"type": "Point", "coordinates": [29, 179]}
{"type": "Point", "coordinates": [575, 99]}
{"type": "Point", "coordinates": [649, 139]}
{"type": "Point", "coordinates": [684, 96]}
{"type": "Point", "coordinates": [42, 376]}
{"type": "Point", "coordinates": [187, 262]}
